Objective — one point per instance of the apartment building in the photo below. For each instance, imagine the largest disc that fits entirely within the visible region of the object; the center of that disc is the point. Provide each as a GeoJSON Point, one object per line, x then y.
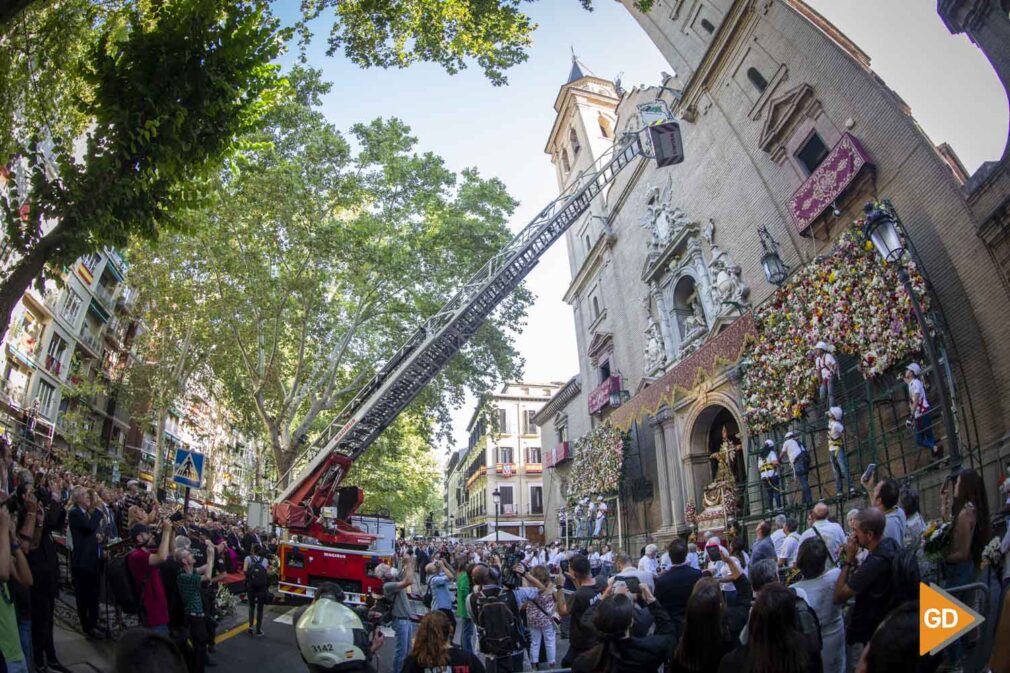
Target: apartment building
{"type": "Point", "coordinates": [499, 474]}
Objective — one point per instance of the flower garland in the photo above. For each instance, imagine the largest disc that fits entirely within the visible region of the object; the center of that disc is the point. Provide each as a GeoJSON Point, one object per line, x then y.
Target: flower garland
{"type": "Point", "coordinates": [598, 463]}
{"type": "Point", "coordinates": [992, 557]}
{"type": "Point", "coordinates": [849, 299]}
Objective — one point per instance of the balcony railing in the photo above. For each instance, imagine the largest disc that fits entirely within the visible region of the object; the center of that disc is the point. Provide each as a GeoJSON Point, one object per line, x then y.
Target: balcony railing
{"type": "Point", "coordinates": [505, 469]}
{"type": "Point", "coordinates": [54, 365]}
{"type": "Point", "coordinates": [828, 182]}
{"type": "Point", "coordinates": [599, 398]}
{"type": "Point", "coordinates": [90, 341]}
{"type": "Point", "coordinates": [558, 454]}
{"type": "Point", "coordinates": [106, 296]}
{"type": "Point", "coordinates": [11, 393]}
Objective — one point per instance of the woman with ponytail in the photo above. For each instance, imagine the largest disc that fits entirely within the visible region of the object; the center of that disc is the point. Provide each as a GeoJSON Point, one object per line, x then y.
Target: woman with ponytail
{"type": "Point", "coordinates": [618, 651]}
{"type": "Point", "coordinates": [433, 651]}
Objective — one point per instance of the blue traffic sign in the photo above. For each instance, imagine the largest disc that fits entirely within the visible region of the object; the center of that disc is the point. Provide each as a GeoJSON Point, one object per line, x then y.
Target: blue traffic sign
{"type": "Point", "coordinates": [188, 470]}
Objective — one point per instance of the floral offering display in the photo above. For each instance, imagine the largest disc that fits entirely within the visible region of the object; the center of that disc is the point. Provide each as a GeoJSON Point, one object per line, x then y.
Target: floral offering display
{"type": "Point", "coordinates": [937, 539]}
{"type": "Point", "coordinates": [850, 299]}
{"type": "Point", "coordinates": [992, 556]}
{"type": "Point", "coordinates": [598, 463]}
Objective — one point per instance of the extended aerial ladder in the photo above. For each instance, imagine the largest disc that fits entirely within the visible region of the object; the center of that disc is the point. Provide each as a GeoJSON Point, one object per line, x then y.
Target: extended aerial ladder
{"type": "Point", "coordinates": [428, 350]}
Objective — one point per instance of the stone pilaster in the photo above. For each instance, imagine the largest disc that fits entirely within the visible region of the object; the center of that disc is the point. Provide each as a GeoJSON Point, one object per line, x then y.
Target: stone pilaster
{"type": "Point", "coordinates": [662, 471]}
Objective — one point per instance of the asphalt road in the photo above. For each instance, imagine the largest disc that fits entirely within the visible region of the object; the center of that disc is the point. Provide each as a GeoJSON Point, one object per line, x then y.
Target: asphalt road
{"type": "Point", "coordinates": [239, 652]}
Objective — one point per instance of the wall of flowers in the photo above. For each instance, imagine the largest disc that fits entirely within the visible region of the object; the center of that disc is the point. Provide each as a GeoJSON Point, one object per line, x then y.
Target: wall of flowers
{"type": "Point", "coordinates": [597, 463]}
{"type": "Point", "coordinates": [850, 299]}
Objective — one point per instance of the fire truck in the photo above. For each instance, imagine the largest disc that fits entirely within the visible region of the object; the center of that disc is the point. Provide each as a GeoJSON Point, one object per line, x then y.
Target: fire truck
{"type": "Point", "coordinates": [314, 506]}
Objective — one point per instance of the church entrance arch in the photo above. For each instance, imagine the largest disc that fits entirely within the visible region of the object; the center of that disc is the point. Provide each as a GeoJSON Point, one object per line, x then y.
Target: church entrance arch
{"type": "Point", "coordinates": [719, 464]}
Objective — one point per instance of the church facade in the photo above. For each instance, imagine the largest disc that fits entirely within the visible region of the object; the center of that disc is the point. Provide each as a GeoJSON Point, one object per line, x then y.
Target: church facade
{"type": "Point", "coordinates": [788, 134]}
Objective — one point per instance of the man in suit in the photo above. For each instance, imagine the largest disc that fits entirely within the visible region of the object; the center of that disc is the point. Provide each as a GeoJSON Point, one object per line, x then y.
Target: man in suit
{"type": "Point", "coordinates": [251, 539]}
{"type": "Point", "coordinates": [84, 564]}
{"type": "Point", "coordinates": [674, 587]}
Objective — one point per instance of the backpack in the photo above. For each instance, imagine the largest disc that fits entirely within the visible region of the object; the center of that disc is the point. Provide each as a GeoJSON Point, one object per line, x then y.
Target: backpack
{"type": "Point", "coordinates": [809, 625]}
{"type": "Point", "coordinates": [498, 631]}
{"type": "Point", "coordinates": [128, 598]}
{"type": "Point", "coordinates": [804, 457]}
{"type": "Point", "coordinates": [257, 578]}
{"type": "Point", "coordinates": [905, 575]}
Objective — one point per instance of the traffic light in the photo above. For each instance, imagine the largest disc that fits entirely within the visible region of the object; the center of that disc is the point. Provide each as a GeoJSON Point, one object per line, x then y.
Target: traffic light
{"type": "Point", "coordinates": [667, 142]}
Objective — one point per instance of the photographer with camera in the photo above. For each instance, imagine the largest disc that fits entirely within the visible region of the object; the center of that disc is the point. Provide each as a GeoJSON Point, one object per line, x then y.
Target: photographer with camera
{"type": "Point", "coordinates": [143, 565]}
{"type": "Point", "coordinates": [617, 650]}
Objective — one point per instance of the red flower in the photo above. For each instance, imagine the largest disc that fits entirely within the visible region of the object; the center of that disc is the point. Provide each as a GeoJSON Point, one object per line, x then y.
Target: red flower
{"type": "Point", "coordinates": [24, 211]}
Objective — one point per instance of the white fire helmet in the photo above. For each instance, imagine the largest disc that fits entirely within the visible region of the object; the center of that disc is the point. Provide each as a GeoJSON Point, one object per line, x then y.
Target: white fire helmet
{"type": "Point", "coordinates": [331, 637]}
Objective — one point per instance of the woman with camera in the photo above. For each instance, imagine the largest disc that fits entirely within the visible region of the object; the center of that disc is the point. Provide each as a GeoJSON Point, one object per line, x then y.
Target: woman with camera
{"type": "Point", "coordinates": [618, 651]}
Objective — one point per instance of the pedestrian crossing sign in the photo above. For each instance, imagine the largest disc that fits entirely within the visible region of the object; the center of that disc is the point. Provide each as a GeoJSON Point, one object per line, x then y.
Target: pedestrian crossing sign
{"type": "Point", "coordinates": [188, 469]}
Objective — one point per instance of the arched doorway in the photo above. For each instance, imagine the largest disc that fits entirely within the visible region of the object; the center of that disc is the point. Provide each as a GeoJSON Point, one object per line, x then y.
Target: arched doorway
{"type": "Point", "coordinates": [712, 426]}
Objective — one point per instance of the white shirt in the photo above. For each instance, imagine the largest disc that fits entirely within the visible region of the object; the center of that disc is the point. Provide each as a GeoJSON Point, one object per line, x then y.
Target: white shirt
{"type": "Point", "coordinates": [791, 448]}
{"type": "Point", "coordinates": [769, 465]}
{"type": "Point", "coordinates": [648, 565]}
{"type": "Point", "coordinates": [790, 546]}
{"type": "Point", "coordinates": [664, 562]}
{"type": "Point", "coordinates": [601, 510]}
{"type": "Point", "coordinates": [915, 387]}
{"type": "Point", "coordinates": [826, 365]}
{"type": "Point", "coordinates": [607, 557]}
{"type": "Point", "coordinates": [692, 560]}
{"type": "Point", "coordinates": [833, 534]}
{"type": "Point", "coordinates": [595, 560]}
{"type": "Point", "coordinates": [644, 577]}
{"type": "Point", "coordinates": [835, 430]}
{"type": "Point", "coordinates": [777, 536]}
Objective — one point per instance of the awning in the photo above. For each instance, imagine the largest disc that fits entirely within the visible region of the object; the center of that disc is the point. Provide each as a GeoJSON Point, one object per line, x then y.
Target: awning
{"type": "Point", "coordinates": [723, 349]}
{"type": "Point", "coordinates": [99, 311]}
{"type": "Point", "coordinates": [113, 267]}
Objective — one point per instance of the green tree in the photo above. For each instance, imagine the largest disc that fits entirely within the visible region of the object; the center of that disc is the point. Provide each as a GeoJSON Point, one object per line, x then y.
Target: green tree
{"type": "Point", "coordinates": [314, 263]}
{"type": "Point", "coordinates": [164, 88]}
{"type": "Point", "coordinates": [80, 426]}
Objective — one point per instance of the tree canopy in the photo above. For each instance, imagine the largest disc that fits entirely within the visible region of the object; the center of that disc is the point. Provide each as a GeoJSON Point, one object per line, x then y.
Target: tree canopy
{"type": "Point", "coordinates": [315, 260]}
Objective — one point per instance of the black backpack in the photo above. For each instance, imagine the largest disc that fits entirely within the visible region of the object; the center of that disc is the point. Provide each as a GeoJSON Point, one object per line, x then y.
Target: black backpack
{"type": "Point", "coordinates": [498, 631]}
{"type": "Point", "coordinates": [905, 575]}
{"type": "Point", "coordinates": [128, 598]}
{"type": "Point", "coordinates": [428, 598]}
{"type": "Point", "coordinates": [257, 579]}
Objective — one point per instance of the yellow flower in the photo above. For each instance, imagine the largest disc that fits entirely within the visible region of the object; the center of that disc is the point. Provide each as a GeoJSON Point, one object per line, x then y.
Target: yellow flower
{"type": "Point", "coordinates": [833, 277]}
{"type": "Point", "coordinates": [869, 246]}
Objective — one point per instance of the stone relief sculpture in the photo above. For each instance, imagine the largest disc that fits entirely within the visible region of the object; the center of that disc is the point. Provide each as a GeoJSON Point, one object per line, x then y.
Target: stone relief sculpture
{"type": "Point", "coordinates": [729, 292]}
{"type": "Point", "coordinates": [663, 220]}
{"type": "Point", "coordinates": [695, 324]}
{"type": "Point", "coordinates": [655, 350]}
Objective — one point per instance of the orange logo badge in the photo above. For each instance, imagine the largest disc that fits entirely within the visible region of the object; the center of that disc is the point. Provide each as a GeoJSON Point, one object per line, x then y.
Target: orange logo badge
{"type": "Point", "coordinates": [942, 619]}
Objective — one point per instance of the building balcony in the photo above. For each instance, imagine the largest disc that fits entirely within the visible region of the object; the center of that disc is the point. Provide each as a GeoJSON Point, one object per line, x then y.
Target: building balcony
{"type": "Point", "coordinates": [106, 296]}
{"type": "Point", "coordinates": [831, 179]}
{"type": "Point", "coordinates": [114, 330]}
{"type": "Point", "coordinates": [53, 365]}
{"type": "Point", "coordinates": [533, 468]}
{"type": "Point", "coordinates": [11, 394]}
{"type": "Point", "coordinates": [558, 454]}
{"type": "Point", "coordinates": [603, 395]}
{"type": "Point", "coordinates": [127, 299]}
{"type": "Point", "coordinates": [505, 469]}
{"type": "Point", "coordinates": [91, 343]}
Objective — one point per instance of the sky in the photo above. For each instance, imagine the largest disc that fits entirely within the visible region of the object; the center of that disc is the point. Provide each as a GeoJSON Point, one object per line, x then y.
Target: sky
{"type": "Point", "coordinates": [951, 88]}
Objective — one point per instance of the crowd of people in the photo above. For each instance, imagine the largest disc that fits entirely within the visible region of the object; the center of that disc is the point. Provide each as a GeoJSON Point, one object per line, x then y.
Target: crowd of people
{"type": "Point", "coordinates": [58, 520]}
{"type": "Point", "coordinates": [824, 596]}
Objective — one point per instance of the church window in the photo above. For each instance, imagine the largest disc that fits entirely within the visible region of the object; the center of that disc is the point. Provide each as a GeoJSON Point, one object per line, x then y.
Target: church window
{"type": "Point", "coordinates": [573, 138]}
{"type": "Point", "coordinates": [564, 161]}
{"type": "Point", "coordinates": [596, 307]}
{"type": "Point", "coordinates": [757, 79]}
{"type": "Point", "coordinates": [606, 128]}
{"type": "Point", "coordinates": [707, 25]}
{"type": "Point", "coordinates": [604, 371]}
{"type": "Point", "coordinates": [588, 242]}
{"type": "Point", "coordinates": [812, 153]}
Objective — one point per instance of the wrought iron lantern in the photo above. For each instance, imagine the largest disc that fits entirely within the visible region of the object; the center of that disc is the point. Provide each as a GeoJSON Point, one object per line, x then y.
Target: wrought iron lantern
{"type": "Point", "coordinates": [881, 227]}
{"type": "Point", "coordinates": [775, 269]}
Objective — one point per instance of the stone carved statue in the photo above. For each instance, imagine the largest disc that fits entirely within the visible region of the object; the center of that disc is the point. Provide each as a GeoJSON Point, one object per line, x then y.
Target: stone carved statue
{"type": "Point", "coordinates": [729, 291]}
{"type": "Point", "coordinates": [724, 477]}
{"type": "Point", "coordinates": [655, 351]}
{"type": "Point", "coordinates": [662, 220]}
{"type": "Point", "coordinates": [695, 323]}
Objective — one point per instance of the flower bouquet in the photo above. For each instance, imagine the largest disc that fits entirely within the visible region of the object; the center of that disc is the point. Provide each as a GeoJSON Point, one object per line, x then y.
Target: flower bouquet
{"type": "Point", "coordinates": [992, 556]}
{"type": "Point", "coordinates": [937, 539]}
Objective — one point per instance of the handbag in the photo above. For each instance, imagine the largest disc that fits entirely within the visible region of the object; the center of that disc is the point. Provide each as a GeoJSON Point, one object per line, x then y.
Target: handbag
{"type": "Point", "coordinates": [553, 618]}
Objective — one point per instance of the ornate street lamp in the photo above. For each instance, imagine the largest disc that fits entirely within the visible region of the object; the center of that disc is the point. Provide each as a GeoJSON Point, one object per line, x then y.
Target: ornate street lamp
{"type": "Point", "coordinates": [496, 496]}
{"type": "Point", "coordinates": [775, 269]}
{"type": "Point", "coordinates": [882, 227]}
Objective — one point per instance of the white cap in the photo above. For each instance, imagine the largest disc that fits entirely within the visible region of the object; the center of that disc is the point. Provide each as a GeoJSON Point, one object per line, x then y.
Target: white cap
{"type": "Point", "coordinates": [914, 368]}
{"type": "Point", "coordinates": [769, 443]}
{"type": "Point", "coordinates": [836, 412]}
{"type": "Point", "coordinates": [823, 346]}
{"type": "Point", "coordinates": [713, 542]}
{"type": "Point", "coordinates": [790, 434]}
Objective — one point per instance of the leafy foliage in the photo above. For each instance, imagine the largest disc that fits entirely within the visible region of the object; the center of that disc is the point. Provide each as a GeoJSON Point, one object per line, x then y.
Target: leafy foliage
{"type": "Point", "coordinates": [165, 88]}
{"type": "Point", "coordinates": [315, 261]}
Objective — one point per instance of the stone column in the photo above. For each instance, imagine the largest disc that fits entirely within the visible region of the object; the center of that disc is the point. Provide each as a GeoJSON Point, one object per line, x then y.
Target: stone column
{"type": "Point", "coordinates": [704, 282]}
{"type": "Point", "coordinates": [670, 340]}
{"type": "Point", "coordinates": [661, 468]}
{"type": "Point", "coordinates": [678, 495]}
